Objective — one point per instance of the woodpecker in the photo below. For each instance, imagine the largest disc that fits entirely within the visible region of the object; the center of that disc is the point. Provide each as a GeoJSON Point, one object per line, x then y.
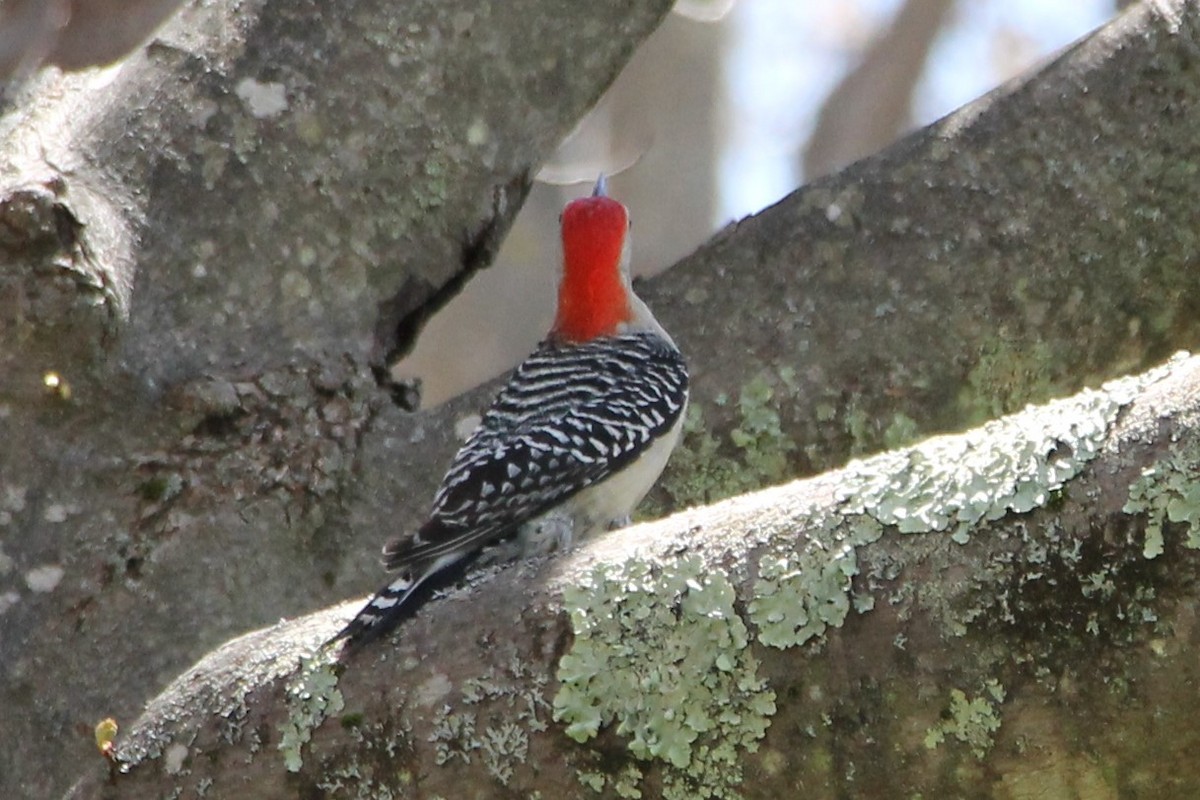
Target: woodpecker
{"type": "Point", "coordinates": [569, 446]}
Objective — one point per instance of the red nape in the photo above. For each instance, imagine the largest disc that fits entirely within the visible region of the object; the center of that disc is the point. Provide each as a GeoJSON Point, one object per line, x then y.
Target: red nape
{"type": "Point", "coordinates": [592, 298]}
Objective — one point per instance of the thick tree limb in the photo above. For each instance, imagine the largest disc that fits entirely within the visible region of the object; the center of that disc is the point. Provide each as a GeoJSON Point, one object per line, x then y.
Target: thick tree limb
{"type": "Point", "coordinates": [1038, 239]}
{"type": "Point", "coordinates": [369, 153]}
{"type": "Point", "coordinates": [203, 249]}
{"type": "Point", "coordinates": [979, 613]}
{"type": "Point", "coordinates": [1033, 242]}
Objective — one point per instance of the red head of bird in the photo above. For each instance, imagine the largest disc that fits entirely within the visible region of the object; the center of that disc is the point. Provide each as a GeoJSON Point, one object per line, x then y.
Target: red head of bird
{"type": "Point", "coordinates": [594, 295]}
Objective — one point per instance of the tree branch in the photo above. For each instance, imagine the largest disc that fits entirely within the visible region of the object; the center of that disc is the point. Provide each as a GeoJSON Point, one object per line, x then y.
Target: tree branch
{"type": "Point", "coordinates": [1033, 242]}
{"type": "Point", "coordinates": [934, 616]}
{"type": "Point", "coordinates": [204, 249]}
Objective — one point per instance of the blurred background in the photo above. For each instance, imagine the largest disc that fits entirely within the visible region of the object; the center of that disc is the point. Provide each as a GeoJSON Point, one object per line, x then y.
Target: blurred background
{"type": "Point", "coordinates": [726, 109]}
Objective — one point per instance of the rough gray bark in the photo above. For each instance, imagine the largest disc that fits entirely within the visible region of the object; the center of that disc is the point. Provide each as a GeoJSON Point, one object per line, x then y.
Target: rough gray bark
{"type": "Point", "coordinates": [205, 249]}
{"type": "Point", "coordinates": [1007, 612]}
{"type": "Point", "coordinates": [349, 157]}
{"type": "Point", "coordinates": [1036, 240]}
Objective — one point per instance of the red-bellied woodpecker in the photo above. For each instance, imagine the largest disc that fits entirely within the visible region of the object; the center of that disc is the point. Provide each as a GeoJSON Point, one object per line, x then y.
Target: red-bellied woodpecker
{"type": "Point", "coordinates": [571, 444]}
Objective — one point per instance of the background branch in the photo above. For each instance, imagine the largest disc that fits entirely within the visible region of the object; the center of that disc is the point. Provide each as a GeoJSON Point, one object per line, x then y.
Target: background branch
{"type": "Point", "coordinates": [1033, 242]}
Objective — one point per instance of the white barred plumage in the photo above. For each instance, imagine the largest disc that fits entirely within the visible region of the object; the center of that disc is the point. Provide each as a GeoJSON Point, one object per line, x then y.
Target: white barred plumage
{"type": "Point", "coordinates": [571, 444]}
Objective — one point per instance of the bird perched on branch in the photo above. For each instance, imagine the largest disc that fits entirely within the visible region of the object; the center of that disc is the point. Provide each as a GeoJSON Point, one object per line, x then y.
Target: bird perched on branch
{"type": "Point", "coordinates": [569, 446]}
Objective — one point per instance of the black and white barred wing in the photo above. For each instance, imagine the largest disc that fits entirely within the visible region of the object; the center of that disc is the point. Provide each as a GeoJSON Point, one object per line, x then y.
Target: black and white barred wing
{"type": "Point", "coordinates": [568, 419]}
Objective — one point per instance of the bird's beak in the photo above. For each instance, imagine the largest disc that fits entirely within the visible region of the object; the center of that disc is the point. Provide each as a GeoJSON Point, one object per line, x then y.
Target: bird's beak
{"type": "Point", "coordinates": [601, 189]}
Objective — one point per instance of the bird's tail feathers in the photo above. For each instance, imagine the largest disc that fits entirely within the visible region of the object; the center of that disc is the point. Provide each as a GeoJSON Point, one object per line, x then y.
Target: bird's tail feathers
{"type": "Point", "coordinates": [401, 598]}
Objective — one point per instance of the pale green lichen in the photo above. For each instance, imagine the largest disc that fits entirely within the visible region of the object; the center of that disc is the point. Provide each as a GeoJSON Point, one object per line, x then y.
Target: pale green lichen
{"type": "Point", "coordinates": [376, 771]}
{"type": "Point", "coordinates": [696, 473]}
{"type": "Point", "coordinates": [503, 746]}
{"type": "Point", "coordinates": [434, 189]}
{"type": "Point", "coordinates": [699, 472]}
{"type": "Point", "coordinates": [1009, 466]}
{"type": "Point", "coordinates": [662, 653]}
{"type": "Point", "coordinates": [765, 448]}
{"type": "Point", "coordinates": [801, 593]}
{"type": "Point", "coordinates": [518, 686]}
{"type": "Point", "coordinates": [638, 634]}
{"type": "Point", "coordinates": [313, 695]}
{"type": "Point", "coordinates": [973, 722]}
{"type": "Point", "coordinates": [500, 739]}
{"type": "Point", "coordinates": [453, 736]}
{"type": "Point", "coordinates": [1168, 491]}
{"type": "Point", "coordinates": [1013, 464]}
{"type": "Point", "coordinates": [625, 783]}
{"type": "Point", "coordinates": [591, 779]}
{"type": "Point", "coordinates": [1008, 375]}
{"type": "Point", "coordinates": [857, 422]}
{"type": "Point", "coordinates": [628, 781]}
{"type": "Point", "coordinates": [950, 484]}
{"type": "Point", "coordinates": [902, 430]}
